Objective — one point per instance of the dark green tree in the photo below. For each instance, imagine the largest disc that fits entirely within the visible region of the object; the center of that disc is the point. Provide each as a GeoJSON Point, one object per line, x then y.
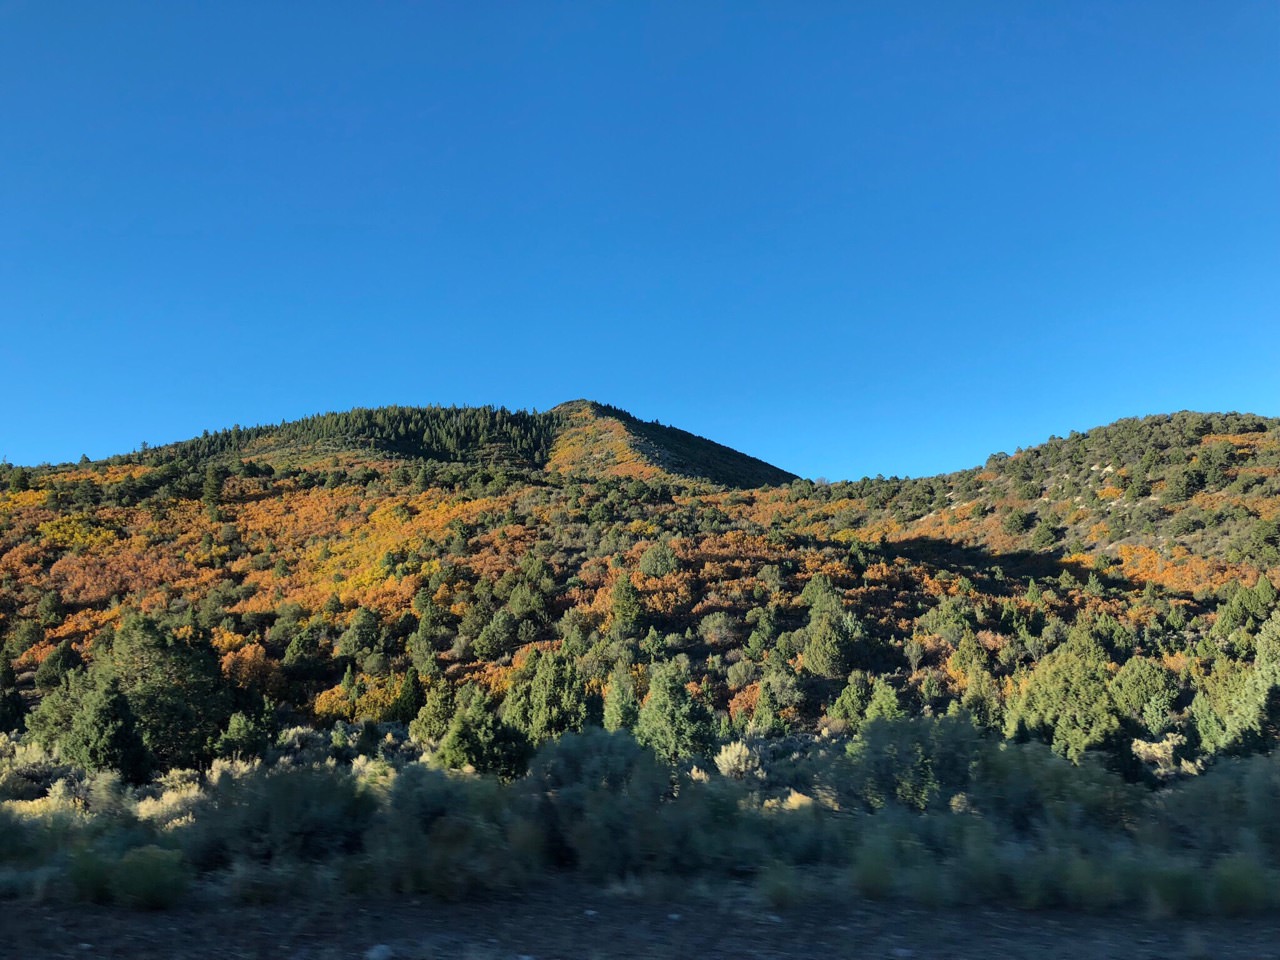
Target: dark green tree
{"type": "Point", "coordinates": [556, 699]}
{"type": "Point", "coordinates": [1067, 700]}
{"type": "Point", "coordinates": [672, 722]}
{"type": "Point", "coordinates": [432, 721]}
{"type": "Point", "coordinates": [410, 700]}
{"type": "Point", "coordinates": [174, 688]}
{"type": "Point", "coordinates": [621, 708]}
{"type": "Point", "coordinates": [626, 608]}
{"type": "Point", "coordinates": [215, 475]}
{"type": "Point", "coordinates": [246, 736]}
{"type": "Point", "coordinates": [832, 640]}
{"type": "Point", "coordinates": [103, 735]}
{"type": "Point", "coordinates": [659, 561]}
{"type": "Point", "coordinates": [478, 739]}
{"type": "Point", "coordinates": [363, 638]}
{"type": "Point", "coordinates": [851, 705]}
{"type": "Point", "coordinates": [61, 661]}
{"type": "Point", "coordinates": [498, 637]}
{"type": "Point", "coordinates": [12, 708]}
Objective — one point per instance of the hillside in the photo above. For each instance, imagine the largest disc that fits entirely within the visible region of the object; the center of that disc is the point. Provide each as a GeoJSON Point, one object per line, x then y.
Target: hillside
{"type": "Point", "coordinates": [575, 438]}
{"type": "Point", "coordinates": [1178, 500]}
{"type": "Point", "coordinates": [466, 587]}
{"type": "Point", "coordinates": [596, 439]}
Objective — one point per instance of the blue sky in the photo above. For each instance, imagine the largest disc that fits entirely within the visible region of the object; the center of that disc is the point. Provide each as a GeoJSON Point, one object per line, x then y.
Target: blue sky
{"type": "Point", "coordinates": [847, 238]}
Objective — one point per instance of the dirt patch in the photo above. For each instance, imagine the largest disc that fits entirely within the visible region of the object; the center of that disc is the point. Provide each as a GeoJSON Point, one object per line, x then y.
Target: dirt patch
{"type": "Point", "coordinates": [575, 923]}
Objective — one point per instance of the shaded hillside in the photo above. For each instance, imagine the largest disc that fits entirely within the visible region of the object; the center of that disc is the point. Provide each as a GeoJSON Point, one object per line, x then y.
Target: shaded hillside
{"type": "Point", "coordinates": [598, 439]}
{"type": "Point", "coordinates": [1177, 499]}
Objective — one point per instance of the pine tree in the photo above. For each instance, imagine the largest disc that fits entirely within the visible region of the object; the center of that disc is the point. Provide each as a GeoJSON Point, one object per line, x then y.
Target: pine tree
{"type": "Point", "coordinates": [410, 699]}
{"type": "Point", "coordinates": [11, 705]}
{"type": "Point", "coordinates": [432, 721]}
{"type": "Point", "coordinates": [477, 738]}
{"type": "Point", "coordinates": [626, 607]}
{"type": "Point", "coordinates": [556, 701]}
{"type": "Point", "coordinates": [671, 722]}
{"type": "Point", "coordinates": [621, 709]}
{"type": "Point", "coordinates": [215, 476]}
{"type": "Point", "coordinates": [103, 735]}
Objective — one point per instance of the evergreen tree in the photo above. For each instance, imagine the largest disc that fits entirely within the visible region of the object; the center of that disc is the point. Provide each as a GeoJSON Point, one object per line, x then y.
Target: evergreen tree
{"type": "Point", "coordinates": [672, 722]}
{"type": "Point", "coordinates": [851, 705]}
{"type": "Point", "coordinates": [626, 607]}
{"type": "Point", "coordinates": [103, 735]}
{"type": "Point", "coordinates": [215, 476]}
{"type": "Point", "coordinates": [174, 687]}
{"type": "Point", "coordinates": [12, 708]}
{"type": "Point", "coordinates": [478, 739]}
{"type": "Point", "coordinates": [1067, 700]}
{"type": "Point", "coordinates": [410, 699]}
{"type": "Point", "coordinates": [61, 661]}
{"type": "Point", "coordinates": [362, 638]}
{"type": "Point", "coordinates": [765, 721]}
{"type": "Point", "coordinates": [884, 702]}
{"type": "Point", "coordinates": [244, 737]}
{"type": "Point", "coordinates": [432, 721]}
{"type": "Point", "coordinates": [498, 636]}
{"type": "Point", "coordinates": [557, 703]}
{"type": "Point", "coordinates": [621, 708]}
{"type": "Point", "coordinates": [832, 639]}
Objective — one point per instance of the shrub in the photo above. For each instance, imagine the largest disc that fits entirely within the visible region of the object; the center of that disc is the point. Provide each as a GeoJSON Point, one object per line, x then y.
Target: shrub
{"type": "Point", "coordinates": [300, 814]}
{"type": "Point", "coordinates": [150, 878]}
{"type": "Point", "coordinates": [1239, 885]}
{"type": "Point", "coordinates": [595, 796]}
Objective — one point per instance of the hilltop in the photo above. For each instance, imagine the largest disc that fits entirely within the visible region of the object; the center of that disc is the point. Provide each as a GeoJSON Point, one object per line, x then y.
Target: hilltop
{"type": "Point", "coordinates": [580, 437]}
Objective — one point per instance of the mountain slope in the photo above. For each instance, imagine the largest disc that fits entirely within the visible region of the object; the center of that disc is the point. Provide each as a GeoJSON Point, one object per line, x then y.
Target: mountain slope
{"type": "Point", "coordinates": [579, 437]}
{"type": "Point", "coordinates": [313, 564]}
{"type": "Point", "coordinates": [595, 438]}
{"type": "Point", "coordinates": [1177, 498]}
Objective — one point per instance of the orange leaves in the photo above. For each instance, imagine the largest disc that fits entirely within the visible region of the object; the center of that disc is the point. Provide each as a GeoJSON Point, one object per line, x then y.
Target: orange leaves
{"type": "Point", "coordinates": [598, 445]}
{"type": "Point", "coordinates": [1177, 570]}
{"type": "Point", "coordinates": [90, 579]}
{"type": "Point", "coordinates": [250, 669]}
{"type": "Point", "coordinates": [743, 703]}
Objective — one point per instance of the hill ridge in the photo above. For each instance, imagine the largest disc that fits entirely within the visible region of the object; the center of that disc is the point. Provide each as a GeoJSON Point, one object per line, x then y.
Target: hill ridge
{"type": "Point", "coordinates": [573, 437]}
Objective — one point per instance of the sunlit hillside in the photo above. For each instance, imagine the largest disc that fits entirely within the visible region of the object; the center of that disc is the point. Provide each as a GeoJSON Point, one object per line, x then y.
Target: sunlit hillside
{"type": "Point", "coordinates": [471, 588]}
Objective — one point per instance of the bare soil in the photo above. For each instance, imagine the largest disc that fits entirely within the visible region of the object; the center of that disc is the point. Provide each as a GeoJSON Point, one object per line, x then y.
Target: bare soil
{"type": "Point", "coordinates": [576, 923]}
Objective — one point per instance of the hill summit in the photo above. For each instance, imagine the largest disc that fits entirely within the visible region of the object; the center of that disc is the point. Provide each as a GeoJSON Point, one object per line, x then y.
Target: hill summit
{"type": "Point", "coordinates": [578, 437]}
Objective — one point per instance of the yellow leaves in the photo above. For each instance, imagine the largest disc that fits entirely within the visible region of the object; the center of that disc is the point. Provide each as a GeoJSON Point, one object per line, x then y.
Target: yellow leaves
{"type": "Point", "coordinates": [75, 532]}
{"type": "Point", "coordinates": [642, 528]}
{"type": "Point", "coordinates": [377, 697]}
{"type": "Point", "coordinates": [334, 704]}
{"type": "Point", "coordinates": [24, 500]}
{"type": "Point", "coordinates": [250, 668]}
{"type": "Point", "coordinates": [1245, 443]}
{"type": "Point", "coordinates": [226, 641]}
{"type": "Point", "coordinates": [598, 445]}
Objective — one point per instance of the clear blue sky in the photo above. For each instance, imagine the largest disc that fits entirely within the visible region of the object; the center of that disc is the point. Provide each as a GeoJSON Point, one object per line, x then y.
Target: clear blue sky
{"type": "Point", "coordinates": [848, 238]}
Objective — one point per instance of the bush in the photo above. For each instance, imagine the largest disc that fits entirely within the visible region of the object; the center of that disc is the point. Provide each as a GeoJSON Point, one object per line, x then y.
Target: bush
{"type": "Point", "coordinates": [1239, 885]}
{"type": "Point", "coordinates": [289, 814]}
{"type": "Point", "coordinates": [595, 796]}
{"type": "Point", "coordinates": [151, 878]}
{"type": "Point", "coordinates": [90, 876]}
{"type": "Point", "coordinates": [448, 836]}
